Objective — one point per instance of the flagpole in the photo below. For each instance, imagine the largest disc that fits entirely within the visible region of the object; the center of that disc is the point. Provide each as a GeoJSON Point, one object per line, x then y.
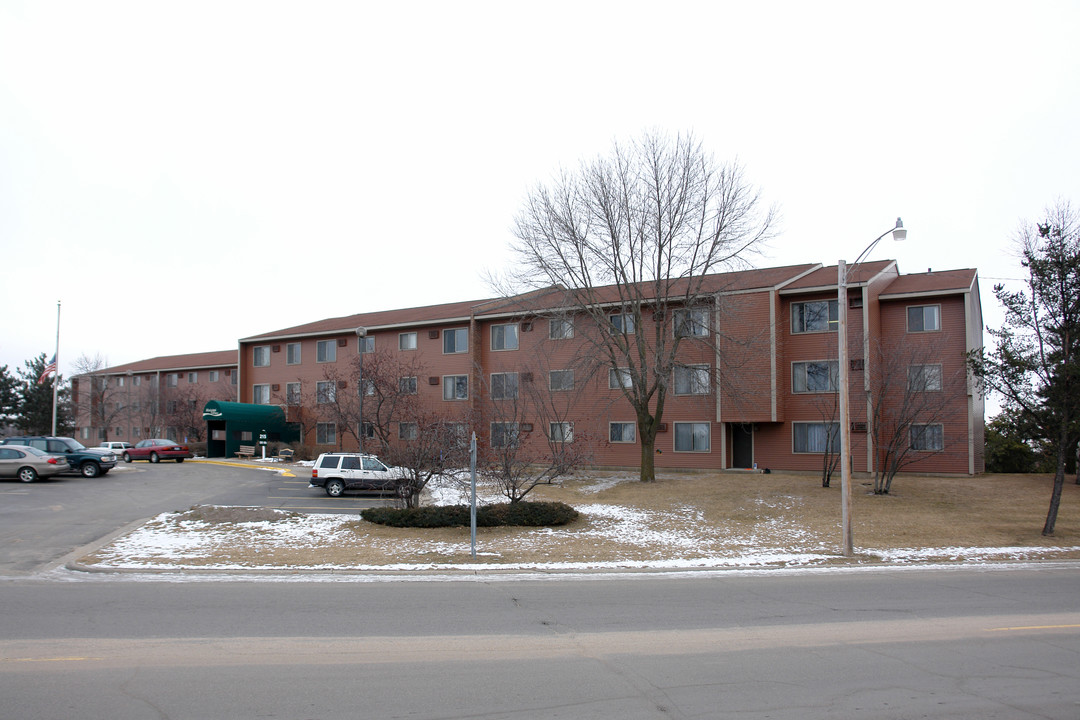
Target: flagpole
{"type": "Point", "coordinates": [56, 378]}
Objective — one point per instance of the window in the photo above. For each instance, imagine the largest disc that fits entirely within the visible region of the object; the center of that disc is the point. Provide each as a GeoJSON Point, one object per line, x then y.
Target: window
{"type": "Point", "coordinates": [815, 437]}
{"type": "Point", "coordinates": [292, 354]}
{"type": "Point", "coordinates": [214, 376]}
{"type": "Point", "coordinates": [622, 432]}
{"type": "Point", "coordinates": [325, 392]}
{"type": "Point", "coordinates": [623, 323]}
{"type": "Point", "coordinates": [504, 386]}
{"type": "Point", "coordinates": [407, 386]}
{"type": "Point", "coordinates": [561, 432]}
{"type": "Point", "coordinates": [171, 379]}
{"type": "Point", "coordinates": [192, 377]}
{"type": "Point", "coordinates": [618, 378]}
{"type": "Point", "coordinates": [366, 387]}
{"type": "Point", "coordinates": [406, 431]}
{"type": "Point", "coordinates": [691, 379]}
{"type": "Point", "coordinates": [691, 323]}
{"type": "Point", "coordinates": [366, 345]}
{"type": "Point", "coordinates": [928, 438]}
{"type": "Point", "coordinates": [260, 394]}
{"type": "Point", "coordinates": [292, 393]}
{"type": "Point", "coordinates": [504, 435]}
{"type": "Point", "coordinates": [367, 431]}
{"type": "Point", "coordinates": [260, 356]}
{"type": "Point", "coordinates": [170, 407]}
{"type": "Point", "coordinates": [326, 351]}
{"type": "Point", "coordinates": [560, 380]}
{"type": "Point", "coordinates": [820, 316]}
{"type": "Point", "coordinates": [137, 380]}
{"type": "Point", "coordinates": [924, 318]}
{"type": "Point", "coordinates": [326, 433]}
{"type": "Point", "coordinates": [235, 378]}
{"type": "Point", "coordinates": [560, 329]}
{"type": "Point", "coordinates": [815, 377]}
{"type": "Point", "coordinates": [692, 437]}
{"type": "Point", "coordinates": [924, 378]}
{"type": "Point", "coordinates": [504, 337]}
{"type": "Point", "coordinates": [455, 341]}
{"type": "Point", "coordinates": [455, 387]}
{"type": "Point", "coordinates": [406, 341]}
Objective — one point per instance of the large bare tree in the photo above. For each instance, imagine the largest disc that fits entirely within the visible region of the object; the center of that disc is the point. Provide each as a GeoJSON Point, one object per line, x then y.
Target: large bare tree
{"type": "Point", "coordinates": [630, 237]}
{"type": "Point", "coordinates": [99, 393]}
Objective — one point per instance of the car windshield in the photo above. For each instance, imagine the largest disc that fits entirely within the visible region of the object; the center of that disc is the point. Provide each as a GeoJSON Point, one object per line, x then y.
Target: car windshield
{"type": "Point", "coordinates": [73, 444]}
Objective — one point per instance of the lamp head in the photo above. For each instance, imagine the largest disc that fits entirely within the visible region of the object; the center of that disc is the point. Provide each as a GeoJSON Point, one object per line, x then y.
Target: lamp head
{"type": "Point", "coordinates": [361, 332]}
{"type": "Point", "coordinates": [899, 232]}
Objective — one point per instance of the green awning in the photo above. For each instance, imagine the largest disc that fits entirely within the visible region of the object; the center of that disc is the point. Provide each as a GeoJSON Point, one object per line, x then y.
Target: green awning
{"type": "Point", "coordinates": [244, 413]}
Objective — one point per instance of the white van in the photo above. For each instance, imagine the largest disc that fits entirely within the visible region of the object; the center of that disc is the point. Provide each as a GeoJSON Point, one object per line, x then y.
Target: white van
{"type": "Point", "coordinates": [338, 472]}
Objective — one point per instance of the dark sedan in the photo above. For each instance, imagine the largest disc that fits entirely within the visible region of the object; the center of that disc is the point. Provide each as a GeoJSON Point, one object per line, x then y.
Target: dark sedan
{"type": "Point", "coordinates": [156, 450]}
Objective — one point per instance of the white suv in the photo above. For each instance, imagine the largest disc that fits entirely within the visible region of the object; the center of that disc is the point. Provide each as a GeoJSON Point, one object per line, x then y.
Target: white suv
{"type": "Point", "coordinates": [338, 472]}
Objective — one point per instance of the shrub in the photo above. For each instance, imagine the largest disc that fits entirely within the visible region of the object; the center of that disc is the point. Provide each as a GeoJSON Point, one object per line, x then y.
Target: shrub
{"type": "Point", "coordinates": [528, 514]}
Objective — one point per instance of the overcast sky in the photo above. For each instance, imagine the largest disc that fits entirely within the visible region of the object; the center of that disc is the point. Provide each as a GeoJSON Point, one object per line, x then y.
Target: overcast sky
{"type": "Point", "coordinates": [180, 175]}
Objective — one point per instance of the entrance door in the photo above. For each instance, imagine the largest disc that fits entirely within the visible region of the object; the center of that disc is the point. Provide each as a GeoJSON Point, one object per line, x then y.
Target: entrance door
{"type": "Point", "coordinates": [742, 445]}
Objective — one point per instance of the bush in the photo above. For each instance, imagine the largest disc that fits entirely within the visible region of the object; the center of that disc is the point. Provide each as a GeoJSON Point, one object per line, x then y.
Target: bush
{"type": "Point", "coordinates": [527, 514]}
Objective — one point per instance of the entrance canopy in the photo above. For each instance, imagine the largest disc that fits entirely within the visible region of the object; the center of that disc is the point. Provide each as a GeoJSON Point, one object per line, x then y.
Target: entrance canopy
{"type": "Point", "coordinates": [231, 424]}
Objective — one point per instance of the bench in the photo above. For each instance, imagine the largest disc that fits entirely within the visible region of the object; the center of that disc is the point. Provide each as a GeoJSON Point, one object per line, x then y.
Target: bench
{"type": "Point", "coordinates": [285, 454]}
{"type": "Point", "coordinates": [246, 451]}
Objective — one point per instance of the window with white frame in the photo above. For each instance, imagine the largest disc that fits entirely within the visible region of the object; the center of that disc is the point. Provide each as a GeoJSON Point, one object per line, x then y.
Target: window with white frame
{"type": "Point", "coordinates": [561, 432]}
{"type": "Point", "coordinates": [260, 356]}
{"type": "Point", "coordinates": [325, 392]}
{"type": "Point", "coordinates": [260, 394]}
{"type": "Point", "coordinates": [619, 378]}
{"type": "Point", "coordinates": [924, 378]}
{"type": "Point", "coordinates": [815, 437]}
{"type": "Point", "coordinates": [326, 351]}
{"type": "Point", "coordinates": [292, 393]}
{"type": "Point", "coordinates": [817, 316]}
{"type": "Point", "coordinates": [560, 328]}
{"type": "Point", "coordinates": [928, 438]}
{"type": "Point", "coordinates": [326, 433]}
{"type": "Point", "coordinates": [214, 376]}
{"type": "Point", "coordinates": [820, 376]}
{"type": "Point", "coordinates": [366, 345]}
{"type": "Point", "coordinates": [367, 430]}
{"type": "Point", "coordinates": [504, 435]}
{"type": "Point", "coordinates": [504, 337]}
{"type": "Point", "coordinates": [292, 354]}
{"type": "Point", "coordinates": [366, 387]}
{"type": "Point", "coordinates": [622, 432]}
{"type": "Point", "coordinates": [171, 379]}
{"type": "Point", "coordinates": [170, 407]}
{"type": "Point", "coordinates": [561, 380]}
{"type": "Point", "coordinates": [192, 377]}
{"type": "Point", "coordinates": [692, 380]}
{"type": "Point", "coordinates": [137, 380]}
{"type": "Point", "coordinates": [406, 341]}
{"type": "Point", "coordinates": [924, 318]}
{"type": "Point", "coordinates": [455, 387]}
{"type": "Point", "coordinates": [504, 386]}
{"type": "Point", "coordinates": [691, 322]}
{"type": "Point", "coordinates": [455, 341]}
{"type": "Point", "coordinates": [407, 385]}
{"type": "Point", "coordinates": [623, 323]}
{"type": "Point", "coordinates": [406, 431]}
{"type": "Point", "coordinates": [692, 437]}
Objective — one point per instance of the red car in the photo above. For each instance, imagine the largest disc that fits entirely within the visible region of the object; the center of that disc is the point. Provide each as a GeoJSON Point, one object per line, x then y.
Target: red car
{"type": "Point", "coordinates": [156, 450]}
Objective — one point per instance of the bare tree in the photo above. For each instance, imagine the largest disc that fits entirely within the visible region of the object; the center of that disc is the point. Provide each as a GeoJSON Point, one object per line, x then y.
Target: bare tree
{"type": "Point", "coordinates": [630, 238]}
{"type": "Point", "coordinates": [390, 391]}
{"type": "Point", "coordinates": [428, 446]}
{"type": "Point", "coordinates": [99, 393]}
{"type": "Point", "coordinates": [337, 400]}
{"type": "Point", "coordinates": [828, 406]}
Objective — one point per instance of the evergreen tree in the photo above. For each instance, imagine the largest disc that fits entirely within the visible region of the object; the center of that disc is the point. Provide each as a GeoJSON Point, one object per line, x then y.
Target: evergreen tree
{"type": "Point", "coordinates": [35, 400]}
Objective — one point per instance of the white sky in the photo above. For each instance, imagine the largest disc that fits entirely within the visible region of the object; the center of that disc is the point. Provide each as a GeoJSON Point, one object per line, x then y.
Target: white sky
{"type": "Point", "coordinates": [180, 175]}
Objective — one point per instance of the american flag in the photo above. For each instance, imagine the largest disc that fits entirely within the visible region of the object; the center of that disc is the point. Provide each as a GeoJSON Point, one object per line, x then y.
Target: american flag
{"type": "Point", "coordinates": [49, 369]}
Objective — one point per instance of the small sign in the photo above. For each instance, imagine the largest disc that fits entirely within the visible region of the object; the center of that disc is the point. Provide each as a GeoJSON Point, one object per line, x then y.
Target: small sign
{"type": "Point", "coordinates": [262, 437]}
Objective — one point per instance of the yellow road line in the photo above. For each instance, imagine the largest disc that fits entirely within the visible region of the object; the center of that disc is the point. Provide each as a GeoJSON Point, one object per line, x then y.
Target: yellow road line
{"type": "Point", "coordinates": [1033, 627]}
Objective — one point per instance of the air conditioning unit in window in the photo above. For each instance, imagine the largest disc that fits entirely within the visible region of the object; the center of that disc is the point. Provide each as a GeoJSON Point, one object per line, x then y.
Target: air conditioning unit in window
{"type": "Point", "coordinates": [275, 387]}
{"type": "Point", "coordinates": [526, 326]}
{"type": "Point", "coordinates": [433, 334]}
{"type": "Point", "coordinates": [275, 348]}
{"type": "Point", "coordinates": [859, 427]}
{"type": "Point", "coordinates": [525, 427]}
{"type": "Point", "coordinates": [433, 380]}
{"type": "Point", "coordinates": [858, 364]}
{"type": "Point", "coordinates": [342, 342]}
{"type": "Point", "coordinates": [341, 384]}
{"type": "Point", "coordinates": [662, 427]}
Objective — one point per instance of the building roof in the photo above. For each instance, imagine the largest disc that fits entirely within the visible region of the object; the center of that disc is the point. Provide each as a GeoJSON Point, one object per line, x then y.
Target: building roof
{"type": "Point", "coordinates": [176, 363]}
{"type": "Point", "coordinates": [945, 282]}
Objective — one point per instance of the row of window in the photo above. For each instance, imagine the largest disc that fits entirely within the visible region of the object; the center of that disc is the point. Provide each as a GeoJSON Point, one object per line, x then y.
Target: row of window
{"type": "Point", "coordinates": [819, 437]}
{"type": "Point", "coordinates": [823, 376]}
{"type": "Point", "coordinates": [171, 379]}
{"type": "Point", "coordinates": [823, 316]}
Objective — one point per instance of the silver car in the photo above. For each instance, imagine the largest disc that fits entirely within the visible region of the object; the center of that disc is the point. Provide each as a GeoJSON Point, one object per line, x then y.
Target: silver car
{"type": "Point", "coordinates": [28, 463]}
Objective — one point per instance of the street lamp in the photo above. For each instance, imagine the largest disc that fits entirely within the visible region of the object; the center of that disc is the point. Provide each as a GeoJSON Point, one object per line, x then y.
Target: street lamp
{"type": "Point", "coordinates": [361, 333]}
{"type": "Point", "coordinates": [898, 233]}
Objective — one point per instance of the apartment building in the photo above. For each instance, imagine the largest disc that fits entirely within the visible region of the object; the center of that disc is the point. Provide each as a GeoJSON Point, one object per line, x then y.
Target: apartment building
{"type": "Point", "coordinates": [755, 382]}
{"type": "Point", "coordinates": [160, 397]}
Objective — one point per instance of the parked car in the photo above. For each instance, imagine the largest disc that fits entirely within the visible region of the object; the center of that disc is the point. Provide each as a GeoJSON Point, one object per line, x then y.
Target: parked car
{"type": "Point", "coordinates": [157, 449]}
{"type": "Point", "coordinates": [28, 463]}
{"type": "Point", "coordinates": [338, 472]}
{"type": "Point", "coordinates": [115, 445]}
{"type": "Point", "coordinates": [89, 462]}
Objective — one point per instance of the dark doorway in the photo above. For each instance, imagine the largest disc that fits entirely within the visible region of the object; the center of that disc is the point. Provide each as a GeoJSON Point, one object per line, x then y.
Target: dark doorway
{"type": "Point", "coordinates": [742, 445]}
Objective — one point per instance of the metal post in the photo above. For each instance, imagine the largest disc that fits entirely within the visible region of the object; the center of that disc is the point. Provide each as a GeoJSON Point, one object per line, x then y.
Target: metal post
{"type": "Point", "coordinates": [472, 502]}
{"type": "Point", "coordinates": [845, 423]}
{"type": "Point", "coordinates": [361, 333]}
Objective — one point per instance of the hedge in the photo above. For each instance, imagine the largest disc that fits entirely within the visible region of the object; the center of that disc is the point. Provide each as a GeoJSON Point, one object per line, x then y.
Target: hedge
{"type": "Point", "coordinates": [529, 514]}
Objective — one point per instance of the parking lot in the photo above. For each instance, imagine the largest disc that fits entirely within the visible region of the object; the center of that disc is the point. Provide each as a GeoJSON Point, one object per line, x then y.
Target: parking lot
{"type": "Point", "coordinates": [42, 522]}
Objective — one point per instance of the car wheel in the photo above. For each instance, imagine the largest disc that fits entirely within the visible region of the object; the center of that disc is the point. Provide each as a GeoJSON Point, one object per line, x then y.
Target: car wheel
{"type": "Point", "coordinates": [90, 469]}
{"type": "Point", "coordinates": [127, 457]}
{"type": "Point", "coordinates": [404, 490]}
{"type": "Point", "coordinates": [179, 460]}
{"type": "Point", "coordinates": [28, 474]}
{"type": "Point", "coordinates": [335, 488]}
{"type": "Point", "coordinates": [154, 457]}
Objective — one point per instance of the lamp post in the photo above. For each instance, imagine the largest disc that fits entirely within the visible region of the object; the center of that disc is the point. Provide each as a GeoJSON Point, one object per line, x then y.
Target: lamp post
{"type": "Point", "coordinates": [361, 333]}
{"type": "Point", "coordinates": [898, 233]}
